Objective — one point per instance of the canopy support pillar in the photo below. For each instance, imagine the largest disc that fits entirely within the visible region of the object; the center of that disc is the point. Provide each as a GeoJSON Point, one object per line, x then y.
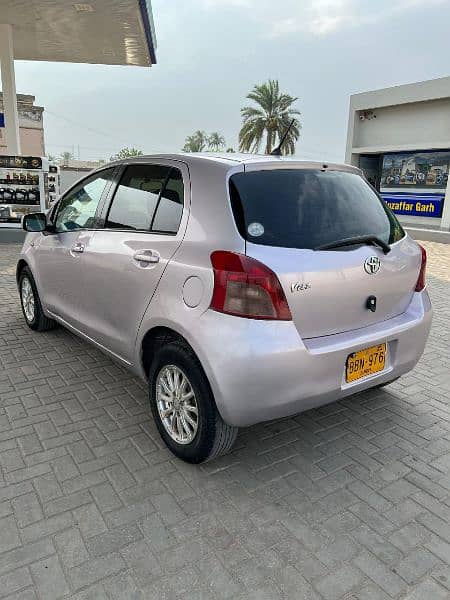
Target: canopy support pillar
{"type": "Point", "coordinates": [9, 91]}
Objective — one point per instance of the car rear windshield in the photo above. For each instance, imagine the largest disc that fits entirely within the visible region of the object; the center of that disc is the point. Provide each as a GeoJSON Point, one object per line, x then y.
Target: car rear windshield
{"type": "Point", "coordinates": [306, 208]}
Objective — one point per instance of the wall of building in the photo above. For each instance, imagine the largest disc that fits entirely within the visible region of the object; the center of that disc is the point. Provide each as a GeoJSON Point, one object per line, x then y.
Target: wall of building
{"type": "Point", "coordinates": [403, 119]}
{"type": "Point", "coordinates": [73, 170]}
{"type": "Point", "coordinates": [31, 141]}
{"type": "Point", "coordinates": [417, 126]}
{"type": "Point", "coordinates": [31, 126]}
{"type": "Point", "coordinates": [67, 177]}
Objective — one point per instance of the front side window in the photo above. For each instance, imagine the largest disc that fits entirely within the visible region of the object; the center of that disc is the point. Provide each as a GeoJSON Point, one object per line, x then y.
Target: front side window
{"type": "Point", "coordinates": [77, 209]}
{"type": "Point", "coordinates": [148, 198]}
{"type": "Point", "coordinates": [307, 208]}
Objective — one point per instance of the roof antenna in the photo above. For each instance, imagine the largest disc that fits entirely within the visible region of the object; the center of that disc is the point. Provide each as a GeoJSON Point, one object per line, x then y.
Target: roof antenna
{"type": "Point", "coordinates": [277, 151]}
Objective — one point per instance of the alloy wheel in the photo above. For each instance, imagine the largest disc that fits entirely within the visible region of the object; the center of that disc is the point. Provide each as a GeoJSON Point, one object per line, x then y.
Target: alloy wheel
{"type": "Point", "coordinates": [27, 296]}
{"type": "Point", "coordinates": [177, 404]}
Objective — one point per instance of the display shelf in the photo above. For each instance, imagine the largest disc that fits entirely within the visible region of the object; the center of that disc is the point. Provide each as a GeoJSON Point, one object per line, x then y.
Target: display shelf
{"type": "Point", "coordinates": [23, 187]}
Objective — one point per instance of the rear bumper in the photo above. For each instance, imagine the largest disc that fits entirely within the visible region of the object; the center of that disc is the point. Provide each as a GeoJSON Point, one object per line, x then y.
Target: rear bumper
{"type": "Point", "coordinates": [262, 370]}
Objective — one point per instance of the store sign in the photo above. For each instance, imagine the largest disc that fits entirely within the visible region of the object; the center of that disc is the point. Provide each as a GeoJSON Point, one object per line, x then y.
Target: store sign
{"type": "Point", "coordinates": [2, 119]}
{"type": "Point", "coordinates": [416, 205]}
{"type": "Point", "coordinates": [416, 170]}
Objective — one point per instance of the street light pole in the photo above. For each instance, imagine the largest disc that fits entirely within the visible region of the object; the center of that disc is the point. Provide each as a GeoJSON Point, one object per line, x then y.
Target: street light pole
{"type": "Point", "coordinates": [9, 90]}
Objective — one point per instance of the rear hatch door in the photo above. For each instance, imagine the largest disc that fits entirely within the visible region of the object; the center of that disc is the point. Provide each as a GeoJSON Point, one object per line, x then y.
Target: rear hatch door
{"type": "Point", "coordinates": [328, 291]}
{"type": "Point", "coordinates": [286, 214]}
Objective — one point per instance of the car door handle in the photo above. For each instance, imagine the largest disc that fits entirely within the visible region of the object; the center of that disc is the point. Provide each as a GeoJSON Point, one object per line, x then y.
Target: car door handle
{"type": "Point", "coordinates": [147, 256]}
{"type": "Point", "coordinates": [78, 248]}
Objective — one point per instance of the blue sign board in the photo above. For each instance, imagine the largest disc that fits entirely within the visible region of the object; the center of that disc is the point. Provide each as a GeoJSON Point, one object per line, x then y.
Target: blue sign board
{"type": "Point", "coordinates": [415, 204]}
{"type": "Point", "coordinates": [2, 120]}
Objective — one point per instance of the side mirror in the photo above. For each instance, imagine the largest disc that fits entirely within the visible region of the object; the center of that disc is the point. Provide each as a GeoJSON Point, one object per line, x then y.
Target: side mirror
{"type": "Point", "coordinates": [34, 222]}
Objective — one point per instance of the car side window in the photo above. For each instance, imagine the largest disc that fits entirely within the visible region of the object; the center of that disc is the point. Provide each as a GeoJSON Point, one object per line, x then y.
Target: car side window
{"type": "Point", "coordinates": [77, 209]}
{"type": "Point", "coordinates": [170, 206]}
{"type": "Point", "coordinates": [136, 197]}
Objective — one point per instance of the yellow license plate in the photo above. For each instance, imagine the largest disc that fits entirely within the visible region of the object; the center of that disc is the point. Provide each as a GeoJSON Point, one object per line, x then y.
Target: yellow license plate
{"type": "Point", "coordinates": [365, 362]}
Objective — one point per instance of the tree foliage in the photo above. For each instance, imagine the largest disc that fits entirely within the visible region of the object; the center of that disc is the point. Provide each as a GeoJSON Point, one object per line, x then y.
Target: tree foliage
{"type": "Point", "coordinates": [216, 141]}
{"type": "Point", "coordinates": [269, 119]}
{"type": "Point", "coordinates": [126, 153]}
{"type": "Point", "coordinates": [201, 141]}
{"type": "Point", "coordinates": [196, 142]}
{"type": "Point", "coordinates": [64, 157]}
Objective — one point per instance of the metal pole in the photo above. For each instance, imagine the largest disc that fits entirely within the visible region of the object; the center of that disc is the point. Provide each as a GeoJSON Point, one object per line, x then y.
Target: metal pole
{"type": "Point", "coordinates": [9, 90]}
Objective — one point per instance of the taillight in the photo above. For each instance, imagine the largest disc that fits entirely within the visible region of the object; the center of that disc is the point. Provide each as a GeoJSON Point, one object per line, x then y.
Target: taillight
{"type": "Point", "coordinates": [421, 283]}
{"type": "Point", "coordinates": [246, 288]}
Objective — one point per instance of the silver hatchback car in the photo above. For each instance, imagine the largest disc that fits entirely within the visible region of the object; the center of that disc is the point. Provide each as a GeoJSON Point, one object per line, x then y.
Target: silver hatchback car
{"type": "Point", "coordinates": [242, 288]}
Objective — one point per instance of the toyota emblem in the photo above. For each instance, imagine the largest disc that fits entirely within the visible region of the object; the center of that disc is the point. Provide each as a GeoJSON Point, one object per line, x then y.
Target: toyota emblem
{"type": "Point", "coordinates": [372, 265]}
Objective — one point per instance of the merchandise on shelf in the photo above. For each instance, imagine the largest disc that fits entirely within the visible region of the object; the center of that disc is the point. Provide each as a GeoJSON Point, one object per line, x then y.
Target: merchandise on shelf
{"type": "Point", "coordinates": [24, 187]}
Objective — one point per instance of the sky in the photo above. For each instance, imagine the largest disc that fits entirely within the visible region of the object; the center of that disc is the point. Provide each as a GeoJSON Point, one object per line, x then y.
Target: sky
{"type": "Point", "coordinates": [212, 52]}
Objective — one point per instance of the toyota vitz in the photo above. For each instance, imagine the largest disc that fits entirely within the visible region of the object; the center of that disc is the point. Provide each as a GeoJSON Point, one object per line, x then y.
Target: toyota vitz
{"type": "Point", "coordinates": [242, 288]}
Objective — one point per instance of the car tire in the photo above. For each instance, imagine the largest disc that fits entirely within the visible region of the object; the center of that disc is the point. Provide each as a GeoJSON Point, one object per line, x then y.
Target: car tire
{"type": "Point", "coordinates": [31, 303]}
{"type": "Point", "coordinates": [210, 436]}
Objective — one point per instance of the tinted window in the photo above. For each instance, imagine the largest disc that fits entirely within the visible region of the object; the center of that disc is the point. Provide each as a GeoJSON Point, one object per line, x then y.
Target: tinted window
{"type": "Point", "coordinates": [170, 207]}
{"type": "Point", "coordinates": [77, 208]}
{"type": "Point", "coordinates": [136, 198]}
{"type": "Point", "coordinates": [305, 208]}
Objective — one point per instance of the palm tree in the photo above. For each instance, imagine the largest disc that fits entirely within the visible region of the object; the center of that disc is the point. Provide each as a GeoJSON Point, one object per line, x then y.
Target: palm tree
{"type": "Point", "coordinates": [216, 141]}
{"type": "Point", "coordinates": [270, 119]}
{"type": "Point", "coordinates": [196, 142]}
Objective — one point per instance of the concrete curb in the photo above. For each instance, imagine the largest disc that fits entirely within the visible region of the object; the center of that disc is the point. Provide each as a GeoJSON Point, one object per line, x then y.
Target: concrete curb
{"type": "Point", "coordinates": [429, 235]}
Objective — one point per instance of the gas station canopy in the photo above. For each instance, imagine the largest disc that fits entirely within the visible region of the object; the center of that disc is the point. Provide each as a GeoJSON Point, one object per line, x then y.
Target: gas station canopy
{"type": "Point", "coordinates": [108, 32]}
{"type": "Point", "coordinates": [112, 32]}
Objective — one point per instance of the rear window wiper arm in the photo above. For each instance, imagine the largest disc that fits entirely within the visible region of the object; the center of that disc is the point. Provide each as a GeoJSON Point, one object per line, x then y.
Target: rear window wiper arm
{"type": "Point", "coordinates": [362, 239]}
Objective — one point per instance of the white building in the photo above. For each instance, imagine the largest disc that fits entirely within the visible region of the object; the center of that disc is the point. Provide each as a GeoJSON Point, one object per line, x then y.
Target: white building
{"type": "Point", "coordinates": [400, 137]}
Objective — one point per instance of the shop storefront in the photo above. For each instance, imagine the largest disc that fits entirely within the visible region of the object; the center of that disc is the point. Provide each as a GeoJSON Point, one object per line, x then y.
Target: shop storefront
{"type": "Point", "coordinates": [400, 138]}
{"type": "Point", "coordinates": [411, 183]}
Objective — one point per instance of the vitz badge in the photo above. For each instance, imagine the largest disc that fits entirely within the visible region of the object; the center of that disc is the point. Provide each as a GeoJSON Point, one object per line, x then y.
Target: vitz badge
{"type": "Point", "coordinates": [300, 287]}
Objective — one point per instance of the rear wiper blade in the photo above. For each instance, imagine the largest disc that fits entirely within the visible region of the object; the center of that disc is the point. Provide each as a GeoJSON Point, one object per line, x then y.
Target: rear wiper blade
{"type": "Point", "coordinates": [362, 239]}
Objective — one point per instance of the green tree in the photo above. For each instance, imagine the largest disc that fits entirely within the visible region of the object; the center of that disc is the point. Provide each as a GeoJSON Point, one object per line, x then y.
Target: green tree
{"type": "Point", "coordinates": [230, 149]}
{"type": "Point", "coordinates": [196, 142]}
{"type": "Point", "coordinates": [269, 119]}
{"type": "Point", "coordinates": [64, 157]}
{"type": "Point", "coordinates": [216, 141]}
{"type": "Point", "coordinates": [126, 153]}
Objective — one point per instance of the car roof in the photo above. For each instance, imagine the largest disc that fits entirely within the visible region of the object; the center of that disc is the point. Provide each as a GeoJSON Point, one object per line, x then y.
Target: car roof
{"type": "Point", "coordinates": [230, 159]}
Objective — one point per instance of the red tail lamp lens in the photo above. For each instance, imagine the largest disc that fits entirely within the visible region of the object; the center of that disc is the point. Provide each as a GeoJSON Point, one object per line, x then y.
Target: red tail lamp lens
{"type": "Point", "coordinates": [421, 282]}
{"type": "Point", "coordinates": [245, 287]}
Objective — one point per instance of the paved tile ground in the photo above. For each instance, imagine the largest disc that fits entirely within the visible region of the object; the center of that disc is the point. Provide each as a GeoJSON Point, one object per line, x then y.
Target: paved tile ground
{"type": "Point", "coordinates": [350, 501]}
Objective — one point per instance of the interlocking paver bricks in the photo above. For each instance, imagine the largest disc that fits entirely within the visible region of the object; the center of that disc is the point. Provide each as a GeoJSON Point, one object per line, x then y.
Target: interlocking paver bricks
{"type": "Point", "coordinates": [350, 501]}
{"type": "Point", "coordinates": [15, 581]}
{"type": "Point", "coordinates": [49, 579]}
